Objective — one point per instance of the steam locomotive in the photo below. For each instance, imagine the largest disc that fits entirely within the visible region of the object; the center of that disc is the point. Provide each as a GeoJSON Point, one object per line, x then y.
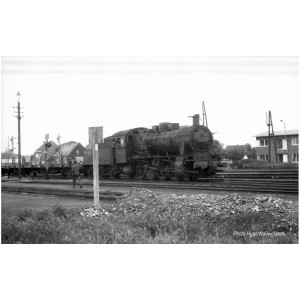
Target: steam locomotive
{"type": "Point", "coordinates": [165, 152]}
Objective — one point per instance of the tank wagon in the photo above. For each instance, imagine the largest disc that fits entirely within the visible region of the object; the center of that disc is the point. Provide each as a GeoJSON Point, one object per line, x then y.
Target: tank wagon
{"type": "Point", "coordinates": [167, 151]}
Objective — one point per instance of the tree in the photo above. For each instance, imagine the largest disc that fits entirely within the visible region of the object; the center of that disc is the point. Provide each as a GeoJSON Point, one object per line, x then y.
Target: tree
{"type": "Point", "coordinates": [234, 153]}
{"type": "Point", "coordinates": [239, 151]}
{"type": "Point", "coordinates": [217, 150]}
{"type": "Point", "coordinates": [250, 152]}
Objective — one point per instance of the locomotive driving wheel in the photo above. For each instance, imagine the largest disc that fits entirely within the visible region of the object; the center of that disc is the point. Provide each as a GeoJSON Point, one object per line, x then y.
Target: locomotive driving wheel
{"type": "Point", "coordinates": [163, 174]}
{"type": "Point", "coordinates": [115, 173]}
{"type": "Point", "coordinates": [139, 173]}
{"type": "Point", "coordinates": [101, 172]}
{"type": "Point", "coordinates": [162, 177]}
{"type": "Point", "coordinates": [151, 175]}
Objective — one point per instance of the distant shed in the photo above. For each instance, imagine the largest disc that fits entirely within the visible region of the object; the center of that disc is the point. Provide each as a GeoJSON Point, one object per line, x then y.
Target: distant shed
{"type": "Point", "coordinates": [39, 154]}
{"type": "Point", "coordinates": [67, 152]}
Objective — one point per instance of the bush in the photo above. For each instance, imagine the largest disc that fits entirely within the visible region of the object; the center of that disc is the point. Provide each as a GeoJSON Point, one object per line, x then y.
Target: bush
{"type": "Point", "coordinates": [59, 211]}
{"type": "Point", "coordinates": [258, 164]}
{"type": "Point", "coordinates": [25, 214]}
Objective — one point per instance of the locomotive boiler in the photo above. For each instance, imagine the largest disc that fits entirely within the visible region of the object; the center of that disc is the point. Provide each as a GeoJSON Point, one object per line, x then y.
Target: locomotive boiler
{"type": "Point", "coordinates": [167, 151]}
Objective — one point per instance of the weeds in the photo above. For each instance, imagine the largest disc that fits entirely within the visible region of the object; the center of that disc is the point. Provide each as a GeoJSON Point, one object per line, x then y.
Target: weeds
{"type": "Point", "coordinates": [60, 225]}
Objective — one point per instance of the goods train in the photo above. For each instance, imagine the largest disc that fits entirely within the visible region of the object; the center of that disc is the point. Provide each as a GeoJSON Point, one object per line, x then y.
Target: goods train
{"type": "Point", "coordinates": [165, 152]}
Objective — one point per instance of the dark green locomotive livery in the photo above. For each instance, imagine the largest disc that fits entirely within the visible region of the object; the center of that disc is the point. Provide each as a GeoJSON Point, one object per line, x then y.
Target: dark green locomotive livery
{"type": "Point", "coordinates": [164, 152]}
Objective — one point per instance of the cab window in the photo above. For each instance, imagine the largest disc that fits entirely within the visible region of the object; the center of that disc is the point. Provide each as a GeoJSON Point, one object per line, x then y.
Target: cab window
{"type": "Point", "coordinates": [120, 142]}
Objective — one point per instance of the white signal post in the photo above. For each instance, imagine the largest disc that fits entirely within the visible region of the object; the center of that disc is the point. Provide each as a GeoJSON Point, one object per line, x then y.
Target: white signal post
{"type": "Point", "coordinates": [96, 174]}
{"type": "Point", "coordinates": [95, 137]}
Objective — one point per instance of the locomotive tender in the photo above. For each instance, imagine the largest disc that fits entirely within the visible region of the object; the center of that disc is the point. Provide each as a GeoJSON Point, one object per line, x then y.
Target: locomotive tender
{"type": "Point", "coordinates": [167, 151]}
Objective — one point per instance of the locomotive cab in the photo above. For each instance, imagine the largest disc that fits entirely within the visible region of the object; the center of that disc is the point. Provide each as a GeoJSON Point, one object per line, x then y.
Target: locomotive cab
{"type": "Point", "coordinates": [116, 151]}
{"type": "Point", "coordinates": [118, 148]}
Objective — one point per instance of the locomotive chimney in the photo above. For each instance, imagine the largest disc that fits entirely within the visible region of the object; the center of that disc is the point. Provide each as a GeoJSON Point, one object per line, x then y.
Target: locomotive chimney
{"type": "Point", "coordinates": [196, 120]}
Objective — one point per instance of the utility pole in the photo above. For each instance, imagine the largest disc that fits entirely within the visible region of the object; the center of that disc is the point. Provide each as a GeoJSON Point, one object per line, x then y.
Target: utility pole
{"type": "Point", "coordinates": [284, 129]}
{"type": "Point", "coordinates": [19, 133]}
{"type": "Point", "coordinates": [270, 126]}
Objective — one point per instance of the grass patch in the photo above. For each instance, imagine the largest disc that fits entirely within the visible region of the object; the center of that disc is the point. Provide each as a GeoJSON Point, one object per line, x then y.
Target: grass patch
{"type": "Point", "coordinates": [60, 225]}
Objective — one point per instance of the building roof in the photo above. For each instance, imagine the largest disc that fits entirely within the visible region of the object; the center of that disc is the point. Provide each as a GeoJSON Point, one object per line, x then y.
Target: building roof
{"type": "Point", "coordinates": [42, 147]}
{"type": "Point", "coordinates": [66, 148]}
{"type": "Point", "coordinates": [7, 155]}
{"type": "Point", "coordinates": [236, 147]}
{"type": "Point", "coordinates": [278, 133]}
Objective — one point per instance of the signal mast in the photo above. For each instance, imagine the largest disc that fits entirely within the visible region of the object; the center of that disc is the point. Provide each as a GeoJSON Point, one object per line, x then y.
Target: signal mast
{"type": "Point", "coordinates": [271, 134]}
{"type": "Point", "coordinates": [204, 117]}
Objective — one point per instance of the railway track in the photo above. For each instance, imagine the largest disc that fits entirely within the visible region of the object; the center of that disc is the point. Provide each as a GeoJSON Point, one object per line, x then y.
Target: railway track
{"type": "Point", "coordinates": [221, 174]}
{"type": "Point", "coordinates": [259, 174]}
{"type": "Point", "coordinates": [262, 185]}
{"type": "Point", "coordinates": [54, 191]}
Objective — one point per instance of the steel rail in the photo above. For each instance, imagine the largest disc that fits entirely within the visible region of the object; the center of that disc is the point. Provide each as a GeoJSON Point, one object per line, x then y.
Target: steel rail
{"type": "Point", "coordinates": [225, 185]}
{"type": "Point", "coordinates": [60, 192]}
{"type": "Point", "coordinates": [113, 197]}
{"type": "Point", "coordinates": [274, 182]}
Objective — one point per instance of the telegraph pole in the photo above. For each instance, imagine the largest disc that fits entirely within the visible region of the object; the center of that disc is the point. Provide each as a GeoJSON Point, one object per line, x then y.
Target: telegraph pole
{"type": "Point", "coordinates": [19, 134]}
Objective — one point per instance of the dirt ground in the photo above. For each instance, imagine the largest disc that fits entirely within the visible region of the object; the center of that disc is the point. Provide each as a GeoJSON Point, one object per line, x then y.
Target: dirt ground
{"type": "Point", "coordinates": [16, 201]}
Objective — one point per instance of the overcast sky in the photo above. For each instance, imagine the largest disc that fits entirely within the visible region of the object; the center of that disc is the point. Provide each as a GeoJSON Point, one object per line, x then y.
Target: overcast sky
{"type": "Point", "coordinates": [66, 95]}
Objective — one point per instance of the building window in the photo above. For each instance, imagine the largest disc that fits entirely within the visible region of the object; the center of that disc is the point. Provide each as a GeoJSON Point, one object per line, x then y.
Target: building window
{"type": "Point", "coordinates": [295, 157]}
{"type": "Point", "coordinates": [120, 142]}
{"type": "Point", "coordinates": [263, 143]}
{"type": "Point", "coordinates": [295, 141]}
{"type": "Point", "coordinates": [279, 144]}
{"type": "Point", "coordinates": [264, 157]}
{"type": "Point", "coordinates": [283, 158]}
